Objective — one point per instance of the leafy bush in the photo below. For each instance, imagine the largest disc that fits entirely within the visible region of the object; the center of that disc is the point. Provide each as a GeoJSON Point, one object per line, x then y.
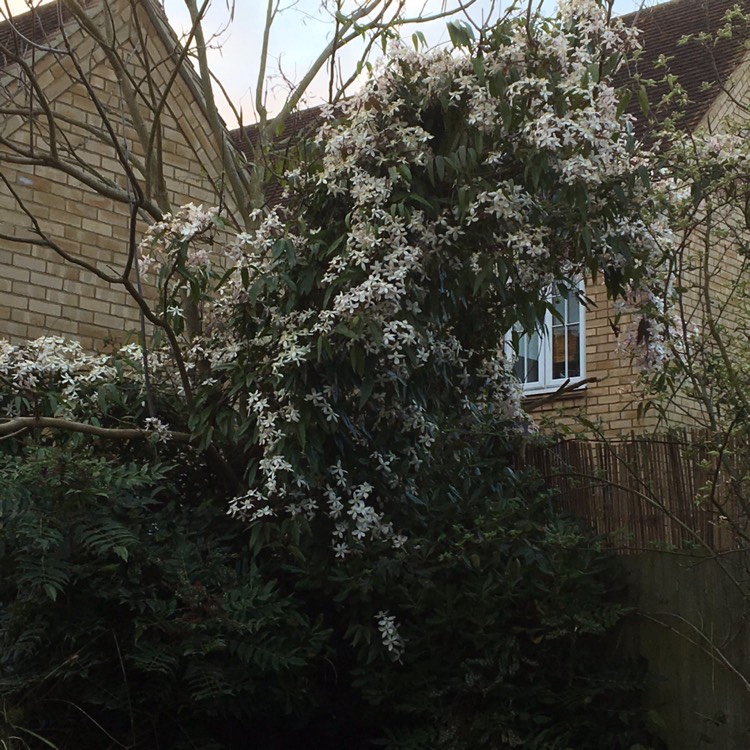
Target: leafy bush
{"type": "Point", "coordinates": [136, 614]}
{"type": "Point", "coordinates": [387, 578]}
{"type": "Point", "coordinates": [504, 614]}
{"type": "Point", "coordinates": [132, 614]}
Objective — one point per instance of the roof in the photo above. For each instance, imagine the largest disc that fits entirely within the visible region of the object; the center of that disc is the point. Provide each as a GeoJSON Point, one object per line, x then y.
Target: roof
{"type": "Point", "coordinates": [700, 66]}
{"type": "Point", "coordinates": [245, 139]}
{"type": "Point", "coordinates": [39, 26]}
{"type": "Point", "coordinates": [24, 31]}
{"type": "Point", "coordinates": [296, 127]}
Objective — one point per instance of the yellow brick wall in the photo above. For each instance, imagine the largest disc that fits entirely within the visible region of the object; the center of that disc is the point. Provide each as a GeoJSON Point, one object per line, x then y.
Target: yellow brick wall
{"type": "Point", "coordinates": [42, 294]}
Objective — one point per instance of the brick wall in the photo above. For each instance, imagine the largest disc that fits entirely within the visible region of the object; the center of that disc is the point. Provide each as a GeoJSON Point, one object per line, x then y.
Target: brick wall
{"type": "Point", "coordinates": [42, 293]}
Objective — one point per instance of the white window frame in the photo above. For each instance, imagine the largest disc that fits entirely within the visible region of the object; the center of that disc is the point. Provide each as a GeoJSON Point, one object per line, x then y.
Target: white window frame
{"type": "Point", "coordinates": [546, 382]}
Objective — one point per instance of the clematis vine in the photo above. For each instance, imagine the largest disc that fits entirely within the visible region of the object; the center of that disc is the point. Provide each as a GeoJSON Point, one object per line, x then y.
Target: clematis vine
{"type": "Point", "coordinates": [449, 194]}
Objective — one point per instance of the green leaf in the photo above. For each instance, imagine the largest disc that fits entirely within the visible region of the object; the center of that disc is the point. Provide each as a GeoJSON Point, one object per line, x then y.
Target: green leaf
{"type": "Point", "coordinates": [461, 34]}
{"type": "Point", "coordinates": [643, 100]}
{"type": "Point", "coordinates": [357, 359]}
{"type": "Point", "coordinates": [422, 201]}
{"type": "Point", "coordinates": [51, 591]}
{"type": "Point", "coordinates": [346, 331]}
{"type": "Point", "coordinates": [625, 96]}
{"type": "Point", "coordinates": [440, 167]}
{"type": "Point", "coordinates": [586, 237]}
{"type": "Point", "coordinates": [366, 389]}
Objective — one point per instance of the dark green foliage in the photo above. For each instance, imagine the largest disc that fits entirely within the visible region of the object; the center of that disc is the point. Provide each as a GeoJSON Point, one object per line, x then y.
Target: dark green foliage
{"type": "Point", "coordinates": [131, 616]}
{"type": "Point", "coordinates": [504, 607]}
{"type": "Point", "coordinates": [141, 617]}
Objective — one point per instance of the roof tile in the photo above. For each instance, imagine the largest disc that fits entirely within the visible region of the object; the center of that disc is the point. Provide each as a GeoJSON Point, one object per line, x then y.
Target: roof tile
{"type": "Point", "coordinates": [700, 68]}
{"type": "Point", "coordinates": [25, 31]}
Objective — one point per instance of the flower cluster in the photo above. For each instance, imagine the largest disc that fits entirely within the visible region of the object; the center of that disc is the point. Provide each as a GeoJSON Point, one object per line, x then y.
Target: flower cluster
{"type": "Point", "coordinates": [159, 429]}
{"type": "Point", "coordinates": [389, 634]}
{"type": "Point", "coordinates": [52, 364]}
{"type": "Point", "coordinates": [179, 233]}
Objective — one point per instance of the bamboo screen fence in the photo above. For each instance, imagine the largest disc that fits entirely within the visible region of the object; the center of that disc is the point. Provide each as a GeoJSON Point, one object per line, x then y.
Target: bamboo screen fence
{"type": "Point", "coordinates": [652, 492]}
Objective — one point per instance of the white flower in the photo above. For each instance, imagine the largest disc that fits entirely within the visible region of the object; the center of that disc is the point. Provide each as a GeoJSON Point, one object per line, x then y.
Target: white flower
{"type": "Point", "coordinates": [341, 549]}
{"type": "Point", "coordinates": [159, 428]}
{"type": "Point", "coordinates": [389, 634]}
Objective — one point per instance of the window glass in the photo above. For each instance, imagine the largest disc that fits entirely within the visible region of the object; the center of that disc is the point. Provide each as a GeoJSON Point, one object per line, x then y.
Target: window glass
{"type": "Point", "coordinates": [545, 360]}
{"type": "Point", "coordinates": [527, 364]}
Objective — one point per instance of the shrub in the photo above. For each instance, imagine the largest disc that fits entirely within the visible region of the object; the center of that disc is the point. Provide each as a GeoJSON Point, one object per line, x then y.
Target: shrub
{"type": "Point", "coordinates": [136, 614]}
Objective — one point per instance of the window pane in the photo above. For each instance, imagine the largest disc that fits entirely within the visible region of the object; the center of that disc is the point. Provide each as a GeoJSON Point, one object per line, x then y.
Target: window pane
{"type": "Point", "coordinates": [560, 305]}
{"type": "Point", "coordinates": [574, 352]}
{"type": "Point", "coordinates": [526, 367]}
{"type": "Point", "coordinates": [533, 345]}
{"type": "Point", "coordinates": [532, 371]}
{"type": "Point", "coordinates": [558, 352]}
{"type": "Point", "coordinates": [566, 337]}
{"type": "Point", "coordinates": [574, 309]}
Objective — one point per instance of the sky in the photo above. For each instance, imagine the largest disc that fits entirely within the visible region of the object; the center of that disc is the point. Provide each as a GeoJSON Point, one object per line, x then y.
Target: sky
{"type": "Point", "coordinates": [297, 38]}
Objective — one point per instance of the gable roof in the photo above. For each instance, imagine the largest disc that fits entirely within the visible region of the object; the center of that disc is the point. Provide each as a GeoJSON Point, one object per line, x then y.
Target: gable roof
{"type": "Point", "coordinates": [700, 66]}
{"type": "Point", "coordinates": [297, 126]}
{"type": "Point", "coordinates": [245, 138]}
{"type": "Point", "coordinates": [22, 32]}
{"type": "Point", "coordinates": [39, 27]}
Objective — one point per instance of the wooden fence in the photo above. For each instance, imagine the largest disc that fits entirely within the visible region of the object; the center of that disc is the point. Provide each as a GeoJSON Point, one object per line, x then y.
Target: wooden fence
{"type": "Point", "coordinates": [687, 492]}
{"type": "Point", "coordinates": [652, 492]}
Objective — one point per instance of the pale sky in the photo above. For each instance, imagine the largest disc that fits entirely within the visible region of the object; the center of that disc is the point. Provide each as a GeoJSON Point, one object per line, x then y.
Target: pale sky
{"type": "Point", "coordinates": [298, 37]}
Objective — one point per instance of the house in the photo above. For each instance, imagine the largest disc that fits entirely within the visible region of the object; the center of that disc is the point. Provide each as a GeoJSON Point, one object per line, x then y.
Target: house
{"type": "Point", "coordinates": [42, 293]}
{"type": "Point", "coordinates": [67, 149]}
{"type": "Point", "coordinates": [45, 294]}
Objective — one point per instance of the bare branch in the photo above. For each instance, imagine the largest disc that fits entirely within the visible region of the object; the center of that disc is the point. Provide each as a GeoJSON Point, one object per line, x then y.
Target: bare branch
{"type": "Point", "coordinates": [16, 424]}
{"type": "Point", "coordinates": [566, 389]}
{"type": "Point", "coordinates": [236, 180]}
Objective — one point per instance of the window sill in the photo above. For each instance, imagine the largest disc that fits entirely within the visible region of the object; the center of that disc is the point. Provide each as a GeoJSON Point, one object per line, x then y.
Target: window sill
{"type": "Point", "coordinates": [571, 392]}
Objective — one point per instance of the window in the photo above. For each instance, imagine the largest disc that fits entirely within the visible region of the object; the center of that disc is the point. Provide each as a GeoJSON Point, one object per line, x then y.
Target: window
{"type": "Point", "coordinates": [556, 352]}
